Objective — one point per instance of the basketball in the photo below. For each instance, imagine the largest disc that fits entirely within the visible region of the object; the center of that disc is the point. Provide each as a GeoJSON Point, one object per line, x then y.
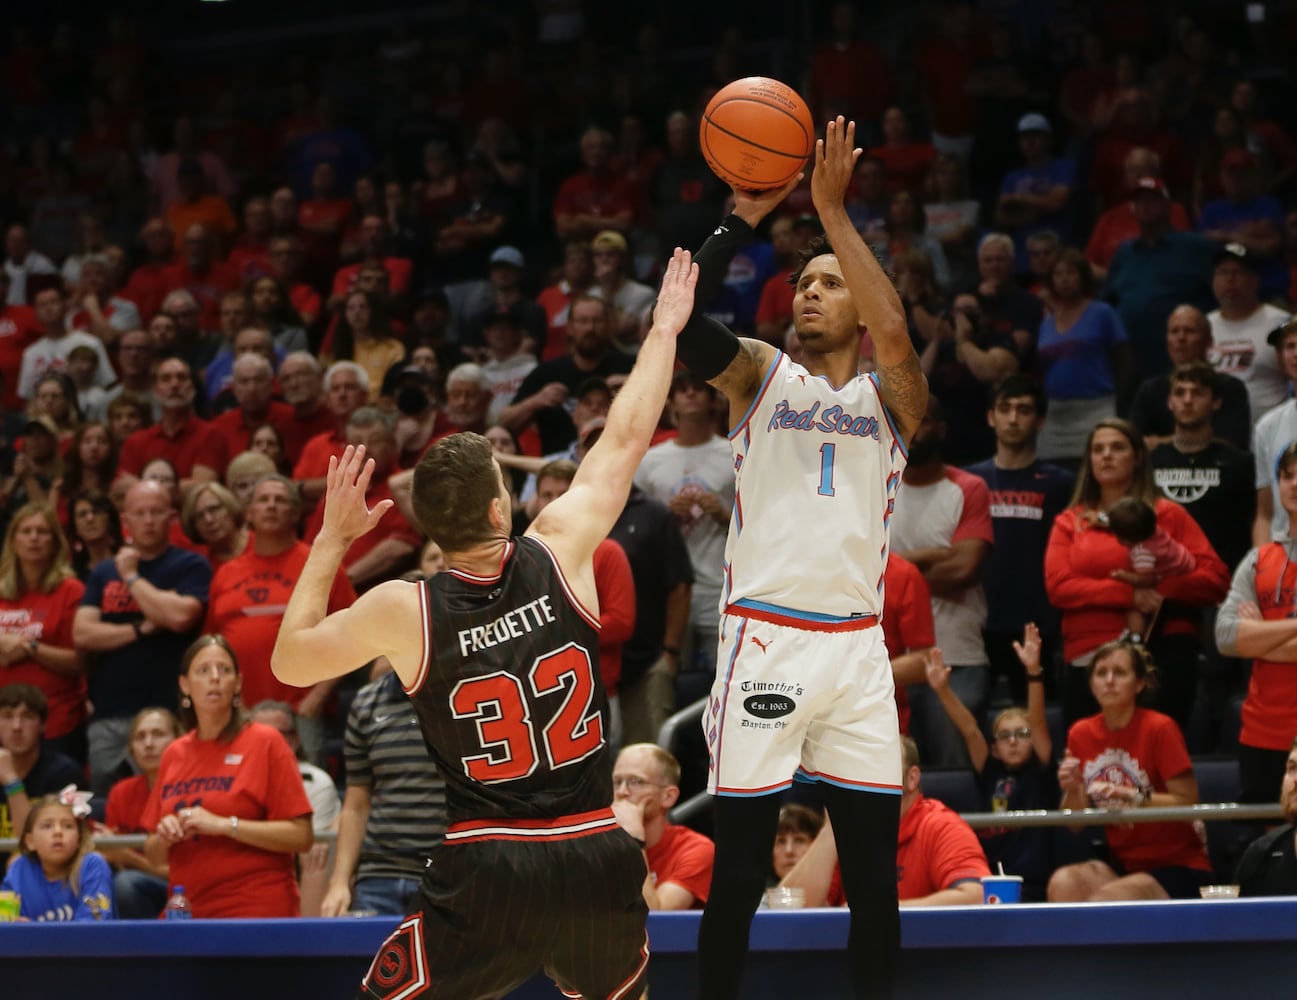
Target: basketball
{"type": "Point", "coordinates": [756, 133]}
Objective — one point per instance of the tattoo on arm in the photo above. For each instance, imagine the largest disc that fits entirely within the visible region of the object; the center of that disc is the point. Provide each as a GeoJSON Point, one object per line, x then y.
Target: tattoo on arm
{"type": "Point", "coordinates": [743, 376]}
{"type": "Point", "coordinates": [905, 392]}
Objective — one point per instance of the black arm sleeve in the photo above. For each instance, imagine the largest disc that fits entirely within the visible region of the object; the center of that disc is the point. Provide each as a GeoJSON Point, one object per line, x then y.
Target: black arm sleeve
{"type": "Point", "coordinates": [704, 345]}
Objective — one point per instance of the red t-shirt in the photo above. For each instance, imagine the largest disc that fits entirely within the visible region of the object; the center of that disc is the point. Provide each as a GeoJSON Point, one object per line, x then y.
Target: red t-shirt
{"type": "Point", "coordinates": [314, 462]}
{"type": "Point", "coordinates": [246, 605]}
{"type": "Point", "coordinates": [399, 271]}
{"type": "Point", "coordinates": [297, 431]}
{"type": "Point", "coordinates": [237, 432]}
{"type": "Point", "coordinates": [684, 857]}
{"type": "Point", "coordinates": [1145, 754]}
{"type": "Point", "coordinates": [206, 288]}
{"type": "Point", "coordinates": [1117, 225]}
{"type": "Point", "coordinates": [616, 589]}
{"type": "Point", "coordinates": [127, 801]}
{"type": "Point", "coordinates": [306, 300]}
{"type": "Point", "coordinates": [906, 165]}
{"type": "Point", "coordinates": [556, 300]}
{"type": "Point", "coordinates": [48, 618]}
{"type": "Point", "coordinates": [393, 525]}
{"type": "Point", "coordinates": [935, 850]}
{"type": "Point", "coordinates": [907, 619]}
{"type": "Point", "coordinates": [18, 331]}
{"type": "Point", "coordinates": [254, 777]}
{"type": "Point", "coordinates": [147, 288]}
{"type": "Point", "coordinates": [196, 443]}
{"type": "Point", "coordinates": [776, 302]}
{"type": "Point", "coordinates": [586, 194]}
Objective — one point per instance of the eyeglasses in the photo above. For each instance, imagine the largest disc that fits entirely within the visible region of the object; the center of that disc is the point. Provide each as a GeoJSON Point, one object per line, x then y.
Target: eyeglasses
{"type": "Point", "coordinates": [634, 784]}
{"type": "Point", "coordinates": [1009, 735]}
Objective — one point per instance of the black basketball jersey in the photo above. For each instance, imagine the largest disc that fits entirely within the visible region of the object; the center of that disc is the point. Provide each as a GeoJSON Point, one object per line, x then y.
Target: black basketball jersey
{"type": "Point", "coordinates": [509, 697]}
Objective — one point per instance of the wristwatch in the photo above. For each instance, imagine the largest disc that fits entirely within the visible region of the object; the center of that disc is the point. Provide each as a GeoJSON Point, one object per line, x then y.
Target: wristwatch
{"type": "Point", "coordinates": [234, 825]}
{"type": "Point", "coordinates": [33, 645]}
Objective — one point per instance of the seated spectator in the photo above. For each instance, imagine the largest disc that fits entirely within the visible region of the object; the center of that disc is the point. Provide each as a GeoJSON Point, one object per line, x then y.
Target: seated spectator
{"type": "Point", "coordinates": [1083, 354]}
{"type": "Point", "coordinates": [952, 218]}
{"type": "Point", "coordinates": [92, 399]}
{"type": "Point", "coordinates": [375, 247]}
{"type": "Point", "coordinates": [301, 379]}
{"type": "Point", "coordinates": [96, 308]}
{"type": "Point", "coordinates": [1134, 123]}
{"type": "Point", "coordinates": [364, 336]}
{"type": "Point", "coordinates": [249, 593]}
{"type": "Point", "coordinates": [939, 861]}
{"type": "Point", "coordinates": [55, 397]}
{"type": "Point", "coordinates": [96, 531]}
{"type": "Point", "coordinates": [1038, 194]}
{"type": "Point", "coordinates": [193, 446]}
{"type": "Point", "coordinates": [244, 472]}
{"type": "Point", "coordinates": [51, 352]}
{"type": "Point", "coordinates": [253, 382]}
{"type": "Point", "coordinates": [271, 308]}
{"type": "Point", "coordinates": [36, 468]}
{"type": "Point", "coordinates": [1189, 343]}
{"type": "Point", "coordinates": [266, 440]}
{"type": "Point", "coordinates": [235, 314]}
{"type": "Point", "coordinates": [249, 251]}
{"type": "Point", "coordinates": [127, 414]}
{"type": "Point", "coordinates": [905, 162]}
{"type": "Point", "coordinates": [1016, 771]}
{"type": "Point", "coordinates": [234, 852]}
{"type": "Point", "coordinates": [1248, 216]}
{"type": "Point", "coordinates": [346, 387]}
{"type": "Point", "coordinates": [597, 198]}
{"type": "Point", "coordinates": [394, 808]}
{"type": "Point", "coordinates": [1255, 621]}
{"type": "Point", "coordinates": [212, 517]}
{"type": "Point", "coordinates": [323, 217]}
{"type": "Point", "coordinates": [140, 887]}
{"type": "Point", "coordinates": [136, 354]}
{"type": "Point", "coordinates": [1127, 757]}
{"type": "Point", "coordinates": [58, 876]}
{"type": "Point", "coordinates": [90, 464]}
{"type": "Point", "coordinates": [202, 274]}
{"type": "Point", "coordinates": [556, 299]}
{"type": "Point", "coordinates": [1269, 865]}
{"type": "Point", "coordinates": [28, 770]}
{"type": "Point", "coordinates": [39, 594]}
{"type": "Point", "coordinates": [139, 612]}
{"type": "Point", "coordinates": [147, 286]}
{"type": "Point", "coordinates": [646, 784]}
{"type": "Point", "coordinates": [1117, 224]}
{"type": "Point", "coordinates": [22, 263]}
{"type": "Point", "coordinates": [797, 828]}
{"type": "Point", "coordinates": [904, 229]}
{"type": "Point", "coordinates": [286, 264]}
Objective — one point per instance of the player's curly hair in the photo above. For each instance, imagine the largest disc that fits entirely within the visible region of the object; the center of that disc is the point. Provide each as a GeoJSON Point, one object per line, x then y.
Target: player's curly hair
{"type": "Point", "coordinates": [818, 247]}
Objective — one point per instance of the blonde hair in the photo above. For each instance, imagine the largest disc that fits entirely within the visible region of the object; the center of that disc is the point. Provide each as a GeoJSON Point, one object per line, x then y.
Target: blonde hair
{"type": "Point", "coordinates": [85, 838]}
{"type": "Point", "coordinates": [12, 586]}
{"type": "Point", "coordinates": [189, 510]}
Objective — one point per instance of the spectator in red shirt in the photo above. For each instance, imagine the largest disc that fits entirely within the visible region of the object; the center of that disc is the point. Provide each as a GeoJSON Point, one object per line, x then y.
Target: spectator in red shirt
{"type": "Point", "coordinates": [374, 242]}
{"type": "Point", "coordinates": [906, 162]}
{"type": "Point", "coordinates": [272, 307]}
{"type": "Point", "coordinates": [301, 381]}
{"type": "Point", "coordinates": [322, 217]}
{"type": "Point", "coordinates": [346, 387]}
{"type": "Point", "coordinates": [250, 252]}
{"type": "Point", "coordinates": [381, 553]}
{"type": "Point", "coordinates": [556, 299]}
{"type": "Point", "coordinates": [253, 383]}
{"type": "Point", "coordinates": [202, 275]}
{"type": "Point", "coordinates": [596, 198]}
{"type": "Point", "coordinates": [193, 446]}
{"type": "Point", "coordinates": [849, 75]}
{"type": "Point", "coordinates": [148, 282]}
{"type": "Point", "coordinates": [1117, 224]}
{"type": "Point", "coordinates": [165, 173]}
{"type": "Point", "coordinates": [19, 329]}
{"type": "Point", "coordinates": [140, 888]}
{"type": "Point", "coordinates": [945, 61]}
{"type": "Point", "coordinates": [646, 784]}
{"type": "Point", "coordinates": [939, 860]}
{"type": "Point", "coordinates": [286, 258]}
{"type": "Point", "coordinates": [907, 629]}
{"type": "Point", "coordinates": [1134, 124]}
{"type": "Point", "coordinates": [248, 595]}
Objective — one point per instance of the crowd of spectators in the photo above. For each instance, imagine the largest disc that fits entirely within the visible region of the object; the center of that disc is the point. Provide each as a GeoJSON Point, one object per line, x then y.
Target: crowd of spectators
{"type": "Point", "coordinates": [219, 272]}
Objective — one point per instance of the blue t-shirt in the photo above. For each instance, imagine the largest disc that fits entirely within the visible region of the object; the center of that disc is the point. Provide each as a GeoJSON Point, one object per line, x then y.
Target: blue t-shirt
{"type": "Point", "coordinates": [1024, 503]}
{"type": "Point", "coordinates": [736, 305]}
{"type": "Point", "coordinates": [143, 672]}
{"type": "Point", "coordinates": [1227, 215]}
{"type": "Point", "coordinates": [44, 901]}
{"type": "Point", "coordinates": [1078, 364]}
{"type": "Point", "coordinates": [1038, 181]}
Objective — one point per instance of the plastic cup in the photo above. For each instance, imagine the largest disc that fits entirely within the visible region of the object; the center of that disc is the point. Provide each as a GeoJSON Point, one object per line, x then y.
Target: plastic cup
{"type": "Point", "coordinates": [785, 898]}
{"type": "Point", "coordinates": [10, 907]}
{"type": "Point", "coordinates": [997, 889]}
{"type": "Point", "coordinates": [1218, 891]}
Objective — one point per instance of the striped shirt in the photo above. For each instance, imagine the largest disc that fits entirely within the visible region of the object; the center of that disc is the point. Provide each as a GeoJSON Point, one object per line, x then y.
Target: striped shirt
{"type": "Point", "coordinates": [385, 753]}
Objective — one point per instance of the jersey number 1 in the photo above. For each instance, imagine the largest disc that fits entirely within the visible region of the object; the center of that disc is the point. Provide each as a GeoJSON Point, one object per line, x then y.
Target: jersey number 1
{"type": "Point", "coordinates": [826, 469]}
{"type": "Point", "coordinates": [498, 705]}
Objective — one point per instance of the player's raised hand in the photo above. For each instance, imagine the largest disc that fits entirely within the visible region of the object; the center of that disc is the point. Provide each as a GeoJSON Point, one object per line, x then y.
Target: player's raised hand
{"type": "Point", "coordinates": [753, 206]}
{"type": "Point", "coordinates": [346, 515]}
{"type": "Point", "coordinates": [835, 163]}
{"type": "Point", "coordinates": [676, 298]}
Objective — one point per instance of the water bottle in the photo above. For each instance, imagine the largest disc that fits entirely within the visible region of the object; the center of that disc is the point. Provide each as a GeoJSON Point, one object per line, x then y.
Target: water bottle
{"type": "Point", "coordinates": [178, 907]}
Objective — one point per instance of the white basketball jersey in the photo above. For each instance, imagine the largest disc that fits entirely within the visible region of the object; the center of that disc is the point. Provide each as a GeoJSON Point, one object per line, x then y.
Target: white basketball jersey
{"type": "Point", "coordinates": [816, 471]}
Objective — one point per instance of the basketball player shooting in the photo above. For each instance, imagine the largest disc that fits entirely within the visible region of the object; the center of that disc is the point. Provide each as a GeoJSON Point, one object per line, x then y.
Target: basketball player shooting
{"type": "Point", "coordinates": [803, 687]}
{"type": "Point", "coordinates": [496, 655]}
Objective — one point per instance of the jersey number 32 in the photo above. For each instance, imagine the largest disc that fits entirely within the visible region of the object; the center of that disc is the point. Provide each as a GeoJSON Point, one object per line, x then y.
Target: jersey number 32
{"type": "Point", "coordinates": [500, 706]}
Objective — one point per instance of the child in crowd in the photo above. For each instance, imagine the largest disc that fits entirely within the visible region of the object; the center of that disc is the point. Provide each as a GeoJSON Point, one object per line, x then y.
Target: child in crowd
{"type": "Point", "coordinates": [1016, 771]}
{"type": "Point", "coordinates": [798, 826]}
{"type": "Point", "coordinates": [59, 877]}
{"type": "Point", "coordinates": [1153, 553]}
{"type": "Point", "coordinates": [83, 364]}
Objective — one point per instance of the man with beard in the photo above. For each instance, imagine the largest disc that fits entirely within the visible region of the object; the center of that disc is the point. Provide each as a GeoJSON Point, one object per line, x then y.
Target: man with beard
{"type": "Point", "coordinates": [1269, 865]}
{"type": "Point", "coordinates": [545, 394]}
{"type": "Point", "coordinates": [194, 447]}
{"type": "Point", "coordinates": [943, 525]}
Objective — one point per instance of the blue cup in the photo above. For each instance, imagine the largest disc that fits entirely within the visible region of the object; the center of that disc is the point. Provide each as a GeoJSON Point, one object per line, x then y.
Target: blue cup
{"type": "Point", "coordinates": [998, 889]}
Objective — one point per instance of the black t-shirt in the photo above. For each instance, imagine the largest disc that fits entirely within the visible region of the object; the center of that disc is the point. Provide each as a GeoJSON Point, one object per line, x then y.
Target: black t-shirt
{"type": "Point", "coordinates": [555, 422]}
{"type": "Point", "coordinates": [1217, 486]}
{"type": "Point", "coordinates": [1269, 865]}
{"type": "Point", "coordinates": [1233, 421]}
{"type": "Point", "coordinates": [51, 773]}
{"type": "Point", "coordinates": [1026, 851]}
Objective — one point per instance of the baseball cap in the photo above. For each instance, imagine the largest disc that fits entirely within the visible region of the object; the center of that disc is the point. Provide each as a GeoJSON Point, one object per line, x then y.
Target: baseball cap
{"type": "Point", "coordinates": [42, 422]}
{"type": "Point", "coordinates": [609, 239]}
{"type": "Point", "coordinates": [1237, 159]}
{"type": "Point", "coordinates": [508, 255]}
{"type": "Point", "coordinates": [1034, 122]}
{"type": "Point", "coordinates": [1236, 252]}
{"type": "Point", "coordinates": [1155, 185]}
{"type": "Point", "coordinates": [590, 427]}
{"type": "Point", "coordinates": [402, 374]}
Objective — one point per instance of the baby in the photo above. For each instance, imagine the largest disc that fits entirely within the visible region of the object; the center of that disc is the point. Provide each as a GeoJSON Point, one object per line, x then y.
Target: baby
{"type": "Point", "coordinates": [1153, 552]}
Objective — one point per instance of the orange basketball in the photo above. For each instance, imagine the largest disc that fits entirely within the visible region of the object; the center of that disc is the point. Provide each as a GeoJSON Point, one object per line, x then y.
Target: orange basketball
{"type": "Point", "coordinates": [756, 133]}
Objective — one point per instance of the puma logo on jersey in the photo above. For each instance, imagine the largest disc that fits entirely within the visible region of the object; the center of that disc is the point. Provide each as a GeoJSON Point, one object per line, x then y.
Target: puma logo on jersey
{"type": "Point", "coordinates": [762, 645]}
{"type": "Point", "coordinates": [802, 379]}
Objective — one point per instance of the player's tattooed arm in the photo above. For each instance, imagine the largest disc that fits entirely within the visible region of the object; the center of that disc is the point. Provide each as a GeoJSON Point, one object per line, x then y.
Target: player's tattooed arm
{"type": "Point", "coordinates": [904, 390]}
{"type": "Point", "coordinates": [742, 377]}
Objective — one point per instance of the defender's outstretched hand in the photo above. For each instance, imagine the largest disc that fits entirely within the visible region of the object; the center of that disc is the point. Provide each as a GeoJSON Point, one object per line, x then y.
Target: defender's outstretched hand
{"type": "Point", "coordinates": [835, 163]}
{"type": "Point", "coordinates": [346, 515]}
{"type": "Point", "coordinates": [676, 299]}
